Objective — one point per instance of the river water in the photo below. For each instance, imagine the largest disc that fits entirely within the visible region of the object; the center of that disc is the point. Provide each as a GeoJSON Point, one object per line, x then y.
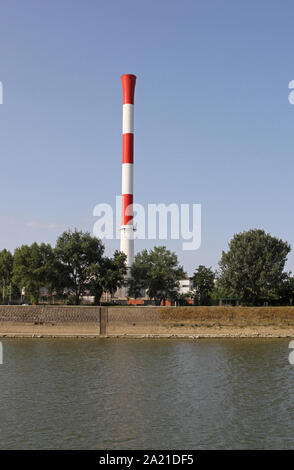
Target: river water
{"type": "Point", "coordinates": [146, 394]}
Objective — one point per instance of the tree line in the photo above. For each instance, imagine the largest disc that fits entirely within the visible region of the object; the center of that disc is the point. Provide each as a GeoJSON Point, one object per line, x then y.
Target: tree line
{"type": "Point", "coordinates": [251, 271]}
{"type": "Point", "coordinates": [76, 265]}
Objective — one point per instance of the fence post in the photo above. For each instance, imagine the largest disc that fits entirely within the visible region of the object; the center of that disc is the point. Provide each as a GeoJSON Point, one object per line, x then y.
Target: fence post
{"type": "Point", "coordinates": [103, 321]}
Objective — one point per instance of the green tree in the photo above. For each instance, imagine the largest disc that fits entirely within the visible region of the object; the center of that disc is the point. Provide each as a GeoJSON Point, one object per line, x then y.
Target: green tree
{"type": "Point", "coordinates": [286, 289]}
{"type": "Point", "coordinates": [158, 271]}
{"type": "Point", "coordinates": [52, 273]}
{"type": "Point", "coordinates": [140, 275]}
{"type": "Point", "coordinates": [6, 264]}
{"type": "Point", "coordinates": [203, 283]}
{"type": "Point", "coordinates": [218, 293]}
{"type": "Point", "coordinates": [33, 267]}
{"type": "Point", "coordinates": [108, 275]}
{"type": "Point", "coordinates": [115, 272]}
{"type": "Point", "coordinates": [252, 269]}
{"type": "Point", "coordinates": [77, 252]}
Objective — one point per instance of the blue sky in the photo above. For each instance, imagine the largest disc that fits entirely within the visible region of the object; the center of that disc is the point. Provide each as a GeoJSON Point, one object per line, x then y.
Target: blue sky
{"type": "Point", "coordinates": [213, 121]}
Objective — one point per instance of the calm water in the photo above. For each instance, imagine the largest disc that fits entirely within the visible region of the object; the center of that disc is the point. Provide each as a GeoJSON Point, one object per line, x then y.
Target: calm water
{"type": "Point", "coordinates": [148, 394]}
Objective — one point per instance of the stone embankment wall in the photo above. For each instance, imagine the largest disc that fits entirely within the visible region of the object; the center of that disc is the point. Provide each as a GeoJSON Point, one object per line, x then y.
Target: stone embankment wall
{"type": "Point", "coordinates": [53, 321]}
{"type": "Point", "coordinates": [136, 321]}
{"type": "Point", "coordinates": [48, 314]}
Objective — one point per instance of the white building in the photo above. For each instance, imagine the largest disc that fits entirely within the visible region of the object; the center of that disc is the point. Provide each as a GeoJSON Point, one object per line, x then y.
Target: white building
{"type": "Point", "coordinates": [186, 286]}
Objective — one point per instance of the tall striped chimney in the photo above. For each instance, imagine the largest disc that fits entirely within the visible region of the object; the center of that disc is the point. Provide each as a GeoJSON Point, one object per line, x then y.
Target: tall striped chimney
{"type": "Point", "coordinates": [127, 229]}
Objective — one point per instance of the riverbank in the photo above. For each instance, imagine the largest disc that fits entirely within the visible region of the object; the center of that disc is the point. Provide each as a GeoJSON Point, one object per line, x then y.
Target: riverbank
{"type": "Point", "coordinates": [146, 322]}
{"type": "Point", "coordinates": [23, 330]}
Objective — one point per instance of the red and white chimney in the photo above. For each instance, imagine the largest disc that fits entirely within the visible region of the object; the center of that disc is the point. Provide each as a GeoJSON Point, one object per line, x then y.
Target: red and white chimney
{"type": "Point", "coordinates": [127, 228]}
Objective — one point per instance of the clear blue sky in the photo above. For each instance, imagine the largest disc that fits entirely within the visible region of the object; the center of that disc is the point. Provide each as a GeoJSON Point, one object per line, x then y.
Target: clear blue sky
{"type": "Point", "coordinates": [213, 121]}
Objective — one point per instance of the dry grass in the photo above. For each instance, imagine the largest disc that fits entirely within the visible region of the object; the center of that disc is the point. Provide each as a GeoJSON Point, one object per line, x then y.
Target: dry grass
{"type": "Point", "coordinates": [226, 315]}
